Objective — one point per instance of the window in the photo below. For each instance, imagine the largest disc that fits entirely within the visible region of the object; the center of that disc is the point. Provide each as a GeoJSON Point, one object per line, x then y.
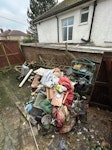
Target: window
{"type": "Point", "coordinates": [67, 29]}
{"type": "Point", "coordinates": [84, 14]}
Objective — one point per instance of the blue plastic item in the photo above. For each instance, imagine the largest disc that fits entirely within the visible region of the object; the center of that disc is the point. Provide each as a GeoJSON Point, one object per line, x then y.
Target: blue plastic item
{"type": "Point", "coordinates": [63, 145]}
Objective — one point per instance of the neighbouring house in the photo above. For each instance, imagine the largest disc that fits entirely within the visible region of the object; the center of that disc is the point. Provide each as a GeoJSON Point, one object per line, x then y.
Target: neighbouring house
{"type": "Point", "coordinates": [12, 35]}
{"type": "Point", "coordinates": [4, 34]}
{"type": "Point", "coordinates": [77, 21]}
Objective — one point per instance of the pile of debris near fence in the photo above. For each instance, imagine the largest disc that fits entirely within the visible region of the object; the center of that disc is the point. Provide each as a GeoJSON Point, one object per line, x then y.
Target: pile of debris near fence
{"type": "Point", "coordinates": [58, 98]}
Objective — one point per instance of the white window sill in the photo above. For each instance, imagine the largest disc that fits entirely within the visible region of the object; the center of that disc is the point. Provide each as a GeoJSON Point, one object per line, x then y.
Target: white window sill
{"type": "Point", "coordinates": [107, 41]}
{"type": "Point", "coordinates": [83, 23]}
{"type": "Point", "coordinates": [71, 41]}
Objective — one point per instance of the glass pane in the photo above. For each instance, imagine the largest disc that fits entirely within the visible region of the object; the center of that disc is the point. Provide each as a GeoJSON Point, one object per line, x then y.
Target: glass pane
{"type": "Point", "coordinates": [65, 34]}
{"type": "Point", "coordinates": [70, 32]}
{"type": "Point", "coordinates": [70, 21]}
{"type": "Point", "coordinates": [84, 17]}
{"type": "Point", "coordinates": [64, 23]}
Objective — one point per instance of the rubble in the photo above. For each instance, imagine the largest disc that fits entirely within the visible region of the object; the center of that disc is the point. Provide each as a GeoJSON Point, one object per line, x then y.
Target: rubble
{"type": "Point", "coordinates": [54, 94]}
{"type": "Point", "coordinates": [96, 124]}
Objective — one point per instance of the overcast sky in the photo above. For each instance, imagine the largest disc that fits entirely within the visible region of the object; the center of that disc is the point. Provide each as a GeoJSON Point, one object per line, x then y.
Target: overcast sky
{"type": "Point", "coordinates": [13, 14]}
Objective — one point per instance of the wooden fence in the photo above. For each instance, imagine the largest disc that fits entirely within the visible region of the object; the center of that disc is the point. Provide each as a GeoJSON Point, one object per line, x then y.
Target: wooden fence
{"type": "Point", "coordinates": [10, 54]}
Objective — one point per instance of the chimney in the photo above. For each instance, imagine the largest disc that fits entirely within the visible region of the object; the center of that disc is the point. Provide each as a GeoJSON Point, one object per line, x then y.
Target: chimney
{"type": "Point", "coordinates": [1, 30]}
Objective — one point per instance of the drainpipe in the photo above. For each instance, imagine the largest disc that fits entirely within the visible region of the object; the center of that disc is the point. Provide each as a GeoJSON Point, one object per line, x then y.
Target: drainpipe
{"type": "Point", "coordinates": [94, 8]}
{"type": "Point", "coordinates": [57, 28]}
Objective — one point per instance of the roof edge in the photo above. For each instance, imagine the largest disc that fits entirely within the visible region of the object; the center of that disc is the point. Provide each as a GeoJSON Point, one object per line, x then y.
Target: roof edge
{"type": "Point", "coordinates": [62, 10]}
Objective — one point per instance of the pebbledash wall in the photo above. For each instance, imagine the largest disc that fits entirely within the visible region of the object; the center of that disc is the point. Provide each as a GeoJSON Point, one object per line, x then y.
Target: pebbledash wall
{"type": "Point", "coordinates": [101, 31]}
{"type": "Point", "coordinates": [102, 26]}
{"type": "Point", "coordinates": [47, 31]}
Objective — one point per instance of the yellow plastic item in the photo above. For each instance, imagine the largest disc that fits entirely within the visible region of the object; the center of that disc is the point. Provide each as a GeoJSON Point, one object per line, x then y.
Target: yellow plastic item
{"type": "Point", "coordinates": [77, 66]}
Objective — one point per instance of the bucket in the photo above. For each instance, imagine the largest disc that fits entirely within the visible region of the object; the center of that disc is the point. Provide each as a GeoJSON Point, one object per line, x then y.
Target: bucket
{"type": "Point", "coordinates": [46, 121]}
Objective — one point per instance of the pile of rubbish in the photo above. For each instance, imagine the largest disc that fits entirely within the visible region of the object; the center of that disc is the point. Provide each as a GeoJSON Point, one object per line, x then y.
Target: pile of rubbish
{"type": "Point", "coordinates": [58, 98]}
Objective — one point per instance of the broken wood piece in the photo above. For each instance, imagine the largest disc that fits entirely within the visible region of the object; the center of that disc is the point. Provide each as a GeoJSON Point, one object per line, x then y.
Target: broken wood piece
{"type": "Point", "coordinates": [26, 116]}
{"type": "Point", "coordinates": [25, 78]}
{"type": "Point", "coordinates": [35, 82]}
{"type": "Point", "coordinates": [37, 147]}
{"type": "Point", "coordinates": [49, 92]}
{"type": "Point", "coordinates": [4, 50]}
{"type": "Point", "coordinates": [65, 97]}
{"type": "Point", "coordinates": [21, 110]}
{"type": "Point", "coordinates": [57, 99]}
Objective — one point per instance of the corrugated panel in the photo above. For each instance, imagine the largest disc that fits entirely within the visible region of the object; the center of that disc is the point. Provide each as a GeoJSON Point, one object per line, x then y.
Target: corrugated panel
{"type": "Point", "coordinates": [10, 53]}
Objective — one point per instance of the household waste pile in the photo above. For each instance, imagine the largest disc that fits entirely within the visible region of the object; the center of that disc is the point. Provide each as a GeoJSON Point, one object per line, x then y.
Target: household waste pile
{"type": "Point", "coordinates": [59, 99]}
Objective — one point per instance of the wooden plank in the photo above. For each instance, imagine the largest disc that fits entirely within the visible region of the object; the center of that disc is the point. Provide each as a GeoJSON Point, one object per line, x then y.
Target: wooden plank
{"type": "Point", "coordinates": [4, 50]}
{"type": "Point", "coordinates": [101, 83]}
{"type": "Point", "coordinates": [21, 110]}
{"type": "Point", "coordinates": [14, 55]}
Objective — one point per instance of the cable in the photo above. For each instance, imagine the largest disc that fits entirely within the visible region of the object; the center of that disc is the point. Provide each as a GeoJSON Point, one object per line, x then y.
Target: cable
{"type": "Point", "coordinates": [12, 20]}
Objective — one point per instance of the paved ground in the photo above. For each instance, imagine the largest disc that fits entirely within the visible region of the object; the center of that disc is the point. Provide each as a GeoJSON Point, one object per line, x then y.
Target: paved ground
{"type": "Point", "coordinates": [15, 132]}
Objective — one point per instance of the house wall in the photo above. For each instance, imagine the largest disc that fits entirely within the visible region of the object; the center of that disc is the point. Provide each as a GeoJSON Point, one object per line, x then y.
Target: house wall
{"type": "Point", "coordinates": [3, 38]}
{"type": "Point", "coordinates": [80, 30]}
{"type": "Point", "coordinates": [16, 38]}
{"type": "Point", "coordinates": [102, 27]}
{"type": "Point", "coordinates": [47, 31]}
{"type": "Point", "coordinates": [101, 31]}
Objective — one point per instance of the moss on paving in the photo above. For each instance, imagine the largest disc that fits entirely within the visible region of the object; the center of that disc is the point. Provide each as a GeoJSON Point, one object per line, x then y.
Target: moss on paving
{"type": "Point", "coordinates": [9, 90]}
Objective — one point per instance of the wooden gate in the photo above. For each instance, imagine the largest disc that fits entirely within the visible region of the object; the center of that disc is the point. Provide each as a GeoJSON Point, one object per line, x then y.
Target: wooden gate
{"type": "Point", "coordinates": [102, 91]}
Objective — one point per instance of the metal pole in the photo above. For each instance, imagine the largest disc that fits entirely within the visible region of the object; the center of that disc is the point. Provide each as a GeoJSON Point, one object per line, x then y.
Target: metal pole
{"type": "Point", "coordinates": [33, 136]}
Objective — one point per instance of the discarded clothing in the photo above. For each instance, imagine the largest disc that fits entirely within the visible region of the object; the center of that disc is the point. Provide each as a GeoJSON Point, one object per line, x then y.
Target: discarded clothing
{"type": "Point", "coordinates": [60, 114]}
{"type": "Point", "coordinates": [49, 79]}
{"type": "Point", "coordinates": [70, 89]}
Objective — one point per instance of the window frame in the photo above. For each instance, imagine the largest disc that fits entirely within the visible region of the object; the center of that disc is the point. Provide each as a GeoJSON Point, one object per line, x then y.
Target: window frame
{"type": "Point", "coordinates": [82, 12]}
{"type": "Point", "coordinates": [68, 26]}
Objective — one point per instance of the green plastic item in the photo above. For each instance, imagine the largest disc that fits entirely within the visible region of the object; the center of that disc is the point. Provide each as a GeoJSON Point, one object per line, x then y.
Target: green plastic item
{"type": "Point", "coordinates": [40, 97]}
{"type": "Point", "coordinates": [46, 106]}
{"type": "Point", "coordinates": [89, 66]}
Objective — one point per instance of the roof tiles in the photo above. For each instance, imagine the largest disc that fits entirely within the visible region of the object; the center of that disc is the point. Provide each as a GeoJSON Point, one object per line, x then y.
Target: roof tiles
{"type": "Point", "coordinates": [12, 33]}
